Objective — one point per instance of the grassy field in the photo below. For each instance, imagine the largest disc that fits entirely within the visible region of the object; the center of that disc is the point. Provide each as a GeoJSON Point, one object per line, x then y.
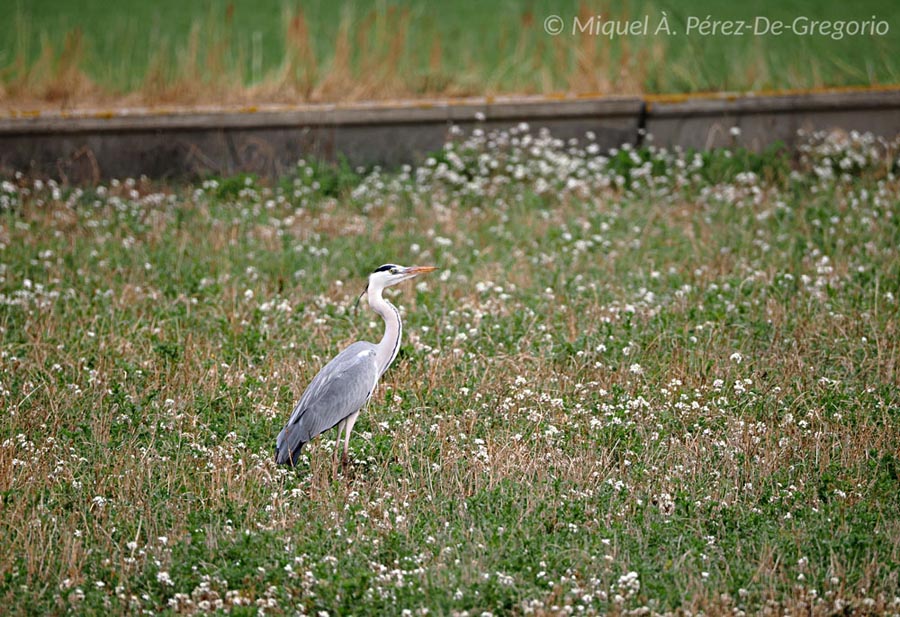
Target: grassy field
{"type": "Point", "coordinates": [644, 382]}
{"type": "Point", "coordinates": [60, 53]}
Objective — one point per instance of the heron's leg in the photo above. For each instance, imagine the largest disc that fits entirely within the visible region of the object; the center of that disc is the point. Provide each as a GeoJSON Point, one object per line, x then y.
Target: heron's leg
{"type": "Point", "coordinates": [337, 441]}
{"type": "Point", "coordinates": [350, 421]}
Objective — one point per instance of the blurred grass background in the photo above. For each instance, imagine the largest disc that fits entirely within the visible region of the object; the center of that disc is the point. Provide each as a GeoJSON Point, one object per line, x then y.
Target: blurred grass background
{"type": "Point", "coordinates": [67, 54]}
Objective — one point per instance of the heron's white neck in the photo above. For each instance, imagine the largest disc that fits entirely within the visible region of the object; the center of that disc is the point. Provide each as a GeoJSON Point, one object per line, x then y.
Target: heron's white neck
{"type": "Point", "coordinates": [387, 349]}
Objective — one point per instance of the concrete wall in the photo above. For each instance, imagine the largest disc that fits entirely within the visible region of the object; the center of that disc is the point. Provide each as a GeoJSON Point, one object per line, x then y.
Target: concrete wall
{"type": "Point", "coordinates": [705, 123]}
{"type": "Point", "coordinates": [93, 146]}
{"type": "Point", "coordinates": [90, 147]}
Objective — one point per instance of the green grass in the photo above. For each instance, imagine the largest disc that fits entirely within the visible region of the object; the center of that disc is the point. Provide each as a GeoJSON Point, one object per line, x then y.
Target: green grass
{"type": "Point", "coordinates": [212, 52]}
{"type": "Point", "coordinates": [680, 395]}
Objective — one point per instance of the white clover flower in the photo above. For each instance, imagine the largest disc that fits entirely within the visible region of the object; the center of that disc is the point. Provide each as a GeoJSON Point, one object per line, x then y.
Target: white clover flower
{"type": "Point", "coordinates": [628, 584]}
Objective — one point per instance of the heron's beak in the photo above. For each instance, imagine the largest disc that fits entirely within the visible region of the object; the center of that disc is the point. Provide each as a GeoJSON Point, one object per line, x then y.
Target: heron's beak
{"type": "Point", "coordinates": [417, 270]}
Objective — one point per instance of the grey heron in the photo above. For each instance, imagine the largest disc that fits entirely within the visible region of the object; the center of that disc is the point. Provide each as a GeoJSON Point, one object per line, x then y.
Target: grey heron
{"type": "Point", "coordinates": [338, 393]}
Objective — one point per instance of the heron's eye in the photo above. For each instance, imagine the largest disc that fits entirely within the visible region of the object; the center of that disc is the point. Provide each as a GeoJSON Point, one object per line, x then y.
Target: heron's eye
{"type": "Point", "coordinates": [395, 270]}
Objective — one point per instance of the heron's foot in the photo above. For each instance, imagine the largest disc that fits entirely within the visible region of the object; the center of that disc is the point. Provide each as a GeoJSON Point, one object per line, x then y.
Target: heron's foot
{"type": "Point", "coordinates": [348, 467]}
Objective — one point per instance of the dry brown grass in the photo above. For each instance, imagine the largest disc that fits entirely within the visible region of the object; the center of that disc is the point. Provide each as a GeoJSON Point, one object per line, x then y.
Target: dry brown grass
{"type": "Point", "coordinates": [376, 55]}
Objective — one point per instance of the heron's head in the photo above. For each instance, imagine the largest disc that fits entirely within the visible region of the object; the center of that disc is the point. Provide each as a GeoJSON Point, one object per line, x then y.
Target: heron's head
{"type": "Point", "coordinates": [391, 274]}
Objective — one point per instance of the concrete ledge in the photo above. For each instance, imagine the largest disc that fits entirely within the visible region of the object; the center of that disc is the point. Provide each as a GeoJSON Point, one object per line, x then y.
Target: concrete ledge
{"type": "Point", "coordinates": [174, 119]}
{"type": "Point", "coordinates": [89, 146]}
{"type": "Point", "coordinates": [666, 106]}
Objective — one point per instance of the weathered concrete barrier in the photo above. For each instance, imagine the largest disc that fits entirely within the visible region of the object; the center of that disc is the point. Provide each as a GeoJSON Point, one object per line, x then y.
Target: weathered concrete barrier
{"type": "Point", "coordinates": [707, 122]}
{"type": "Point", "coordinates": [91, 146]}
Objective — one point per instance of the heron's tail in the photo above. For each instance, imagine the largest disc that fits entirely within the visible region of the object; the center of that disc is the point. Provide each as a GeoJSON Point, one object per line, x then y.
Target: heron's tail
{"type": "Point", "coordinates": [287, 453]}
{"type": "Point", "coordinates": [286, 456]}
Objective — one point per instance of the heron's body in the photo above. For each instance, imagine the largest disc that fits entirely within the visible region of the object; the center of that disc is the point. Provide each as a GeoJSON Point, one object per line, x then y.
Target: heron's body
{"type": "Point", "coordinates": [337, 394]}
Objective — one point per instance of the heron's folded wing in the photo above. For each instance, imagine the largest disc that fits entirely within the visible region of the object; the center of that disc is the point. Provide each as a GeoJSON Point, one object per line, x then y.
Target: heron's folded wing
{"type": "Point", "coordinates": [341, 388]}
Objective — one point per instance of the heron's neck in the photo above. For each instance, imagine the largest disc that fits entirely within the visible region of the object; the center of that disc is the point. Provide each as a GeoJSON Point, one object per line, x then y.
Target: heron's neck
{"type": "Point", "coordinates": [387, 349]}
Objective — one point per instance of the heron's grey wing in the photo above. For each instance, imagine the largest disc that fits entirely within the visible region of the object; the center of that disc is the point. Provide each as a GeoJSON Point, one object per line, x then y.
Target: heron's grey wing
{"type": "Point", "coordinates": [340, 389]}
